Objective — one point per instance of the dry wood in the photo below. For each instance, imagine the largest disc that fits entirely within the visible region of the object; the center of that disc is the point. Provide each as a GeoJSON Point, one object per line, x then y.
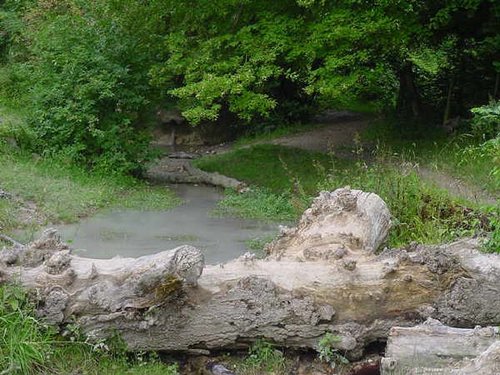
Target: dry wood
{"type": "Point", "coordinates": [322, 276]}
{"type": "Point", "coordinates": [433, 348]}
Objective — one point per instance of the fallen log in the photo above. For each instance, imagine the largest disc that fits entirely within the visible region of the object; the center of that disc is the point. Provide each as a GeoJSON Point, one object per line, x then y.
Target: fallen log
{"type": "Point", "coordinates": [433, 348]}
{"type": "Point", "coordinates": [182, 171]}
{"type": "Point", "coordinates": [323, 276]}
{"type": "Point", "coordinates": [10, 240]}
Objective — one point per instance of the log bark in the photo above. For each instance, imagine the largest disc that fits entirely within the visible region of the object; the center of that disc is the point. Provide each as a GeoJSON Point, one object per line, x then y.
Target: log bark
{"type": "Point", "coordinates": [433, 348]}
{"type": "Point", "coordinates": [323, 276]}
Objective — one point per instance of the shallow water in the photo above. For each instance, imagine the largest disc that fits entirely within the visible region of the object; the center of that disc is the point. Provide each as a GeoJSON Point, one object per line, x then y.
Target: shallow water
{"type": "Point", "coordinates": [136, 233]}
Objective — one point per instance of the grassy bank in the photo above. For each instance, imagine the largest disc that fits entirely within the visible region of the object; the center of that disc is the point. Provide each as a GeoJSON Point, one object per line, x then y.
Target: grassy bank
{"type": "Point", "coordinates": [48, 191]}
{"type": "Point", "coordinates": [40, 191]}
{"type": "Point", "coordinates": [283, 181]}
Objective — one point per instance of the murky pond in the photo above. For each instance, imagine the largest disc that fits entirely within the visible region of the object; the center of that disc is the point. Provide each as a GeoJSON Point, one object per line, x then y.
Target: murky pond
{"type": "Point", "coordinates": [136, 233]}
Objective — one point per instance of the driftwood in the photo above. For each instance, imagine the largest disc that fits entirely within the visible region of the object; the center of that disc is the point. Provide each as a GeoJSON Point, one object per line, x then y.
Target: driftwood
{"type": "Point", "coordinates": [433, 348]}
{"type": "Point", "coordinates": [323, 276]}
{"type": "Point", "coordinates": [10, 240]}
{"type": "Point", "coordinates": [181, 171]}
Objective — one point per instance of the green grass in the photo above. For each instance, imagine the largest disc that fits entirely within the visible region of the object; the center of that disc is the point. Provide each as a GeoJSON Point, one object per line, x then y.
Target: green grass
{"type": "Point", "coordinates": [276, 168]}
{"type": "Point", "coordinates": [460, 156]}
{"type": "Point", "coordinates": [283, 182]}
{"type": "Point", "coordinates": [260, 204]}
{"type": "Point", "coordinates": [65, 193]}
{"type": "Point", "coordinates": [257, 244]}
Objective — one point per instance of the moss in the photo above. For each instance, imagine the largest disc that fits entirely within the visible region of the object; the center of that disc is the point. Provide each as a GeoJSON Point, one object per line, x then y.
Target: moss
{"type": "Point", "coordinates": [169, 286]}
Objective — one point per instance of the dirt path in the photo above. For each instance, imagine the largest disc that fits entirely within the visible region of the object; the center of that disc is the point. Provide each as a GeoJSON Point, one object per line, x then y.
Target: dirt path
{"type": "Point", "coordinates": [339, 136]}
{"type": "Point", "coordinates": [336, 136]}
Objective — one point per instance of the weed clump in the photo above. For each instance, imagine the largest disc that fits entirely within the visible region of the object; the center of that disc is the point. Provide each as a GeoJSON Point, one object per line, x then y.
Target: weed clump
{"type": "Point", "coordinates": [264, 358]}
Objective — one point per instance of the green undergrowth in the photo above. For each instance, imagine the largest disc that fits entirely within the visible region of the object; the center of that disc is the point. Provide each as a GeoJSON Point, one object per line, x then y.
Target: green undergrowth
{"type": "Point", "coordinates": [58, 192]}
{"type": "Point", "coordinates": [462, 155]}
{"type": "Point", "coordinates": [258, 203]}
{"type": "Point", "coordinates": [421, 212]}
{"type": "Point", "coordinates": [283, 182]}
{"type": "Point", "coordinates": [28, 346]}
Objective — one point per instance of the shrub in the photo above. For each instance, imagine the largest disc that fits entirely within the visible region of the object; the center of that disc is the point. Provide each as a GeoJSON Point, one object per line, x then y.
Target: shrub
{"type": "Point", "coordinates": [486, 121]}
{"type": "Point", "coordinates": [328, 352]}
{"type": "Point", "coordinates": [86, 67]}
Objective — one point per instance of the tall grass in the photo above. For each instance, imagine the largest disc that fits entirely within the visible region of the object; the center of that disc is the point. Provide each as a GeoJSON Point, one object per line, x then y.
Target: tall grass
{"type": "Point", "coordinates": [420, 212]}
{"type": "Point", "coordinates": [25, 343]}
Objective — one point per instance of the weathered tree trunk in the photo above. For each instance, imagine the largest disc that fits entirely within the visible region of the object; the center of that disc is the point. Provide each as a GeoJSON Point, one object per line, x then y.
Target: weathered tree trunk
{"type": "Point", "coordinates": [447, 109]}
{"type": "Point", "coordinates": [409, 102]}
{"type": "Point", "coordinates": [323, 276]}
{"type": "Point", "coordinates": [433, 348]}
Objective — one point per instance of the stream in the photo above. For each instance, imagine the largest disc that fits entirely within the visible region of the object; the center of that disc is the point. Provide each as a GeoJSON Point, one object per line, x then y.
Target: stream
{"type": "Point", "coordinates": [130, 233]}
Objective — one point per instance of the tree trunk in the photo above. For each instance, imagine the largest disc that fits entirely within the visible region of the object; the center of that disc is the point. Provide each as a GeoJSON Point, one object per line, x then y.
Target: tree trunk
{"type": "Point", "coordinates": [409, 103]}
{"type": "Point", "coordinates": [322, 276]}
{"type": "Point", "coordinates": [497, 85]}
{"type": "Point", "coordinates": [447, 109]}
{"type": "Point", "coordinates": [433, 348]}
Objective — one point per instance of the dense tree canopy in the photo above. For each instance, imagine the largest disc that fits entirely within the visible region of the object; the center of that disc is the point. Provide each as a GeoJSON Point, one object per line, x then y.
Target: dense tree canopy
{"type": "Point", "coordinates": [90, 69]}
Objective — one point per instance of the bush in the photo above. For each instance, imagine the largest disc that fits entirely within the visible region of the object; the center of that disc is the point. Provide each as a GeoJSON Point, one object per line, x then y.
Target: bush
{"type": "Point", "coordinates": [86, 67]}
{"type": "Point", "coordinates": [486, 121]}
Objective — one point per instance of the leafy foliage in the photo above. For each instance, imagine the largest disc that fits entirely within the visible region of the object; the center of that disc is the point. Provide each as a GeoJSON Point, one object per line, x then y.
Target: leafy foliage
{"type": "Point", "coordinates": [328, 352]}
{"type": "Point", "coordinates": [486, 121]}
{"type": "Point", "coordinates": [90, 70]}
{"type": "Point", "coordinates": [86, 64]}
